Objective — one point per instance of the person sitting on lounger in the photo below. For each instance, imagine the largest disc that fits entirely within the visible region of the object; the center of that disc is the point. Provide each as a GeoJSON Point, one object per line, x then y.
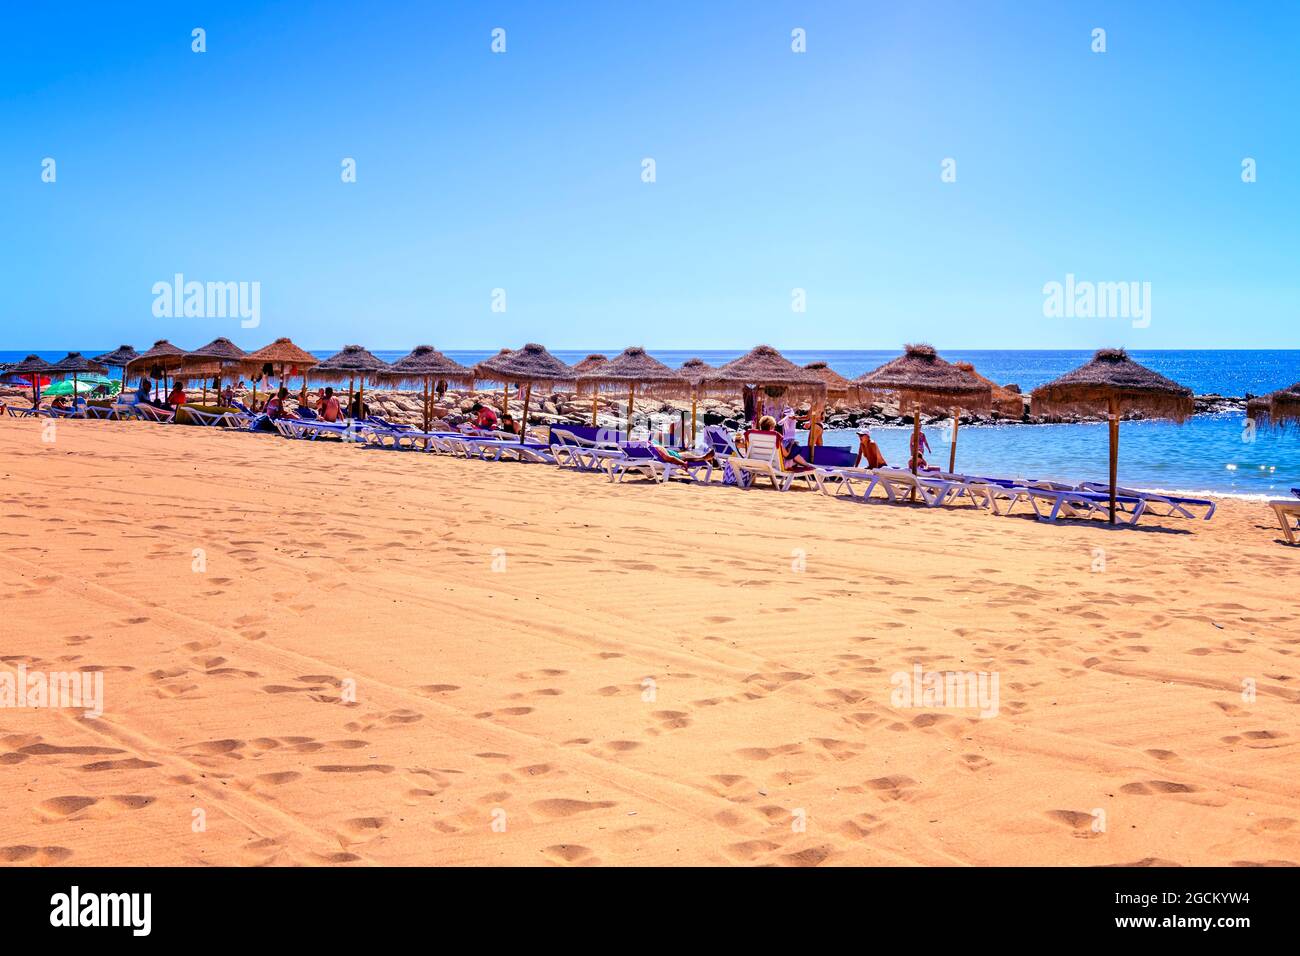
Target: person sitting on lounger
{"type": "Point", "coordinates": [60, 403]}
{"type": "Point", "coordinates": [869, 451]}
{"type": "Point", "coordinates": [484, 417]}
{"type": "Point", "coordinates": [357, 408]}
{"type": "Point", "coordinates": [177, 398]}
{"type": "Point", "coordinates": [508, 424]}
{"type": "Point", "coordinates": [790, 460]}
{"type": "Point", "coordinates": [328, 406]}
{"type": "Point", "coordinates": [278, 405]}
{"type": "Point", "coordinates": [228, 396]}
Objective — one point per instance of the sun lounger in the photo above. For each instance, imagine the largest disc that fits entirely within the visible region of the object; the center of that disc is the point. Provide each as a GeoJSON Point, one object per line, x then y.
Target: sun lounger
{"type": "Point", "coordinates": [205, 418]}
{"type": "Point", "coordinates": [1168, 504]}
{"type": "Point", "coordinates": [763, 458]}
{"type": "Point", "coordinates": [1287, 511]}
{"type": "Point", "coordinates": [153, 413]}
{"type": "Point", "coordinates": [658, 465]}
{"type": "Point", "coordinates": [583, 448]}
{"type": "Point", "coordinates": [21, 412]}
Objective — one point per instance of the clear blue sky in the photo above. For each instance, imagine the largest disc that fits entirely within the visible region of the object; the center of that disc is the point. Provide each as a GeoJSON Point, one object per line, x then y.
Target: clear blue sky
{"type": "Point", "coordinates": [774, 171]}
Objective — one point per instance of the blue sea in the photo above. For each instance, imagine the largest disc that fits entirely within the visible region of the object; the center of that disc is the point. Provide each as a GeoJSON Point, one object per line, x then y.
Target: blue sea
{"type": "Point", "coordinates": [1210, 453]}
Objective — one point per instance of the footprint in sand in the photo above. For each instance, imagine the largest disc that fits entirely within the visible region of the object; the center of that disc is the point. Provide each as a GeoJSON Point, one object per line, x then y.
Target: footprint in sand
{"type": "Point", "coordinates": [571, 853]}
{"type": "Point", "coordinates": [36, 855]}
{"type": "Point", "coordinates": [1148, 787]}
{"type": "Point", "coordinates": [558, 807]}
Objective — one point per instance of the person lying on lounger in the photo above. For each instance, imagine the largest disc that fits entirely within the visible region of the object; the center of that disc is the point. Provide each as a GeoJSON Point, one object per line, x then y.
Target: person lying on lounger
{"type": "Point", "coordinates": [869, 451]}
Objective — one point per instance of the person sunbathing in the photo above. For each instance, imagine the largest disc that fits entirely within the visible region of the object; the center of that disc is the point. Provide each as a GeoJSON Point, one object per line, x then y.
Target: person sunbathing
{"type": "Point", "coordinates": [177, 397]}
{"type": "Point", "coordinates": [508, 424]}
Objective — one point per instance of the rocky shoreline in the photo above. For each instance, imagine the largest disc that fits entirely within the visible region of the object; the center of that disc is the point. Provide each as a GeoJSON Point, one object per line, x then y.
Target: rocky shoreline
{"type": "Point", "coordinates": [569, 408]}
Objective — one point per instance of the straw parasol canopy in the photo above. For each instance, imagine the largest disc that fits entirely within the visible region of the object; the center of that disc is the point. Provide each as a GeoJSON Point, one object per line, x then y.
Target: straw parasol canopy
{"type": "Point", "coordinates": [635, 370]}
{"type": "Point", "coordinates": [921, 380]}
{"type": "Point", "coordinates": [920, 377]}
{"type": "Point", "coordinates": [634, 367]}
{"type": "Point", "coordinates": [528, 366]}
{"type": "Point", "coordinates": [592, 362]}
{"type": "Point", "coordinates": [35, 368]}
{"type": "Point", "coordinates": [1278, 408]}
{"type": "Point", "coordinates": [837, 386]}
{"type": "Point", "coordinates": [1111, 374]}
{"type": "Point", "coordinates": [1113, 381]}
{"type": "Point", "coordinates": [1005, 401]}
{"type": "Point", "coordinates": [118, 358]}
{"type": "Point", "coordinates": [696, 370]}
{"type": "Point", "coordinates": [162, 356]}
{"type": "Point", "coordinates": [74, 364]}
{"type": "Point", "coordinates": [211, 360]}
{"type": "Point", "coordinates": [426, 365]}
{"type": "Point", "coordinates": [765, 367]}
{"type": "Point", "coordinates": [351, 362]}
{"type": "Point", "coordinates": [278, 356]}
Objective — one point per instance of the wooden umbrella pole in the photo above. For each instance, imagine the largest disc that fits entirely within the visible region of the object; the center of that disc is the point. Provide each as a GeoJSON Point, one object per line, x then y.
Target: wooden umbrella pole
{"type": "Point", "coordinates": [361, 396]}
{"type": "Point", "coordinates": [631, 391]}
{"type": "Point", "coordinates": [505, 398]}
{"type": "Point", "coordinates": [352, 381]}
{"type": "Point", "coordinates": [1114, 452]}
{"type": "Point", "coordinates": [694, 403]}
{"type": "Point", "coordinates": [595, 397]}
{"type": "Point", "coordinates": [952, 452]}
{"type": "Point", "coordinates": [523, 425]}
{"type": "Point", "coordinates": [426, 404]}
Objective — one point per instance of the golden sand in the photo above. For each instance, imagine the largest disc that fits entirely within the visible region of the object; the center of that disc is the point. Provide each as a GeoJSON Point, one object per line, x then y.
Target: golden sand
{"type": "Point", "coordinates": [309, 658]}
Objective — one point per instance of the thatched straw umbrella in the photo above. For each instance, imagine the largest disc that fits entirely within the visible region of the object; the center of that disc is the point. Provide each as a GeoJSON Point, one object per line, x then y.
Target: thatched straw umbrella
{"type": "Point", "coordinates": [35, 368]}
{"type": "Point", "coordinates": [1004, 400]}
{"type": "Point", "coordinates": [528, 366]}
{"type": "Point", "coordinates": [695, 371]}
{"type": "Point", "coordinates": [837, 386]}
{"type": "Point", "coordinates": [280, 353]}
{"type": "Point", "coordinates": [591, 363]}
{"type": "Point", "coordinates": [352, 362]}
{"type": "Point", "coordinates": [1113, 381]}
{"type": "Point", "coordinates": [216, 356]}
{"type": "Point", "coordinates": [1278, 408]}
{"type": "Point", "coordinates": [73, 364]}
{"type": "Point", "coordinates": [157, 362]}
{"type": "Point", "coordinates": [921, 379]}
{"type": "Point", "coordinates": [763, 367]}
{"type": "Point", "coordinates": [427, 365]}
{"type": "Point", "coordinates": [120, 357]}
{"type": "Point", "coordinates": [633, 369]}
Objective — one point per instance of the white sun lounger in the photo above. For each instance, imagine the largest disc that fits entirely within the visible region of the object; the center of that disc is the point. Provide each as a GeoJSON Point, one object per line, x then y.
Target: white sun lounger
{"type": "Point", "coordinates": [1168, 504]}
{"type": "Point", "coordinates": [153, 413]}
{"type": "Point", "coordinates": [762, 459]}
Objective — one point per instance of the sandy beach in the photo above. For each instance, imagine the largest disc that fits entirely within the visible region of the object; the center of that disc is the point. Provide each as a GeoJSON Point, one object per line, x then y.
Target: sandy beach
{"type": "Point", "coordinates": [319, 654]}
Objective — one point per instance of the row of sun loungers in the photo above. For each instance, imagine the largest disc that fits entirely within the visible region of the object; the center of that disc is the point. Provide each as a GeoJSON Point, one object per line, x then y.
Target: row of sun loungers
{"type": "Point", "coordinates": [834, 471]}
